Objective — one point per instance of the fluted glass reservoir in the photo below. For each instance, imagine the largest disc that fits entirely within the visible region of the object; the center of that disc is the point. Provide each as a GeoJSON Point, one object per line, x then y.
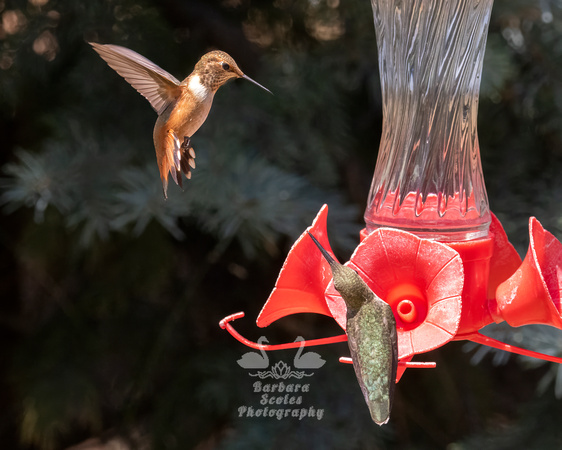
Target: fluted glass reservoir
{"type": "Point", "coordinates": [428, 177]}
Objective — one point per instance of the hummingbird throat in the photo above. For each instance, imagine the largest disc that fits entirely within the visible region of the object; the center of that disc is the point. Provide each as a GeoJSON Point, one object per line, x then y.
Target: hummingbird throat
{"type": "Point", "coordinates": [198, 89]}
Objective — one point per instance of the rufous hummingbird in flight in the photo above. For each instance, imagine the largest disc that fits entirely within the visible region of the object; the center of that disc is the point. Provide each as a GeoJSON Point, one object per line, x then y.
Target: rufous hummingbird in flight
{"type": "Point", "coordinates": [182, 107]}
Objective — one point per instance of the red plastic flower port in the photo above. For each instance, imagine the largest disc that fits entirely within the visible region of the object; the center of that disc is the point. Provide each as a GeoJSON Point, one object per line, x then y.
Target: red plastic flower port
{"type": "Point", "coordinates": [438, 292]}
{"type": "Point", "coordinates": [532, 293]}
{"type": "Point", "coordinates": [422, 281]}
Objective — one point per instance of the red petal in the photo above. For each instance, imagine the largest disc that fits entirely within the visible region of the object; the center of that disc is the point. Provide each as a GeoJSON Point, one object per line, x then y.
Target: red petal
{"type": "Point", "coordinates": [303, 279]}
{"type": "Point", "coordinates": [532, 294]}
{"type": "Point", "coordinates": [505, 259]}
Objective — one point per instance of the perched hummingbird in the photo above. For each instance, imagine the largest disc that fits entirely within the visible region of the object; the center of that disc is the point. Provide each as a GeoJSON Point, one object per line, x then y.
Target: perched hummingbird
{"type": "Point", "coordinates": [182, 107]}
{"type": "Point", "coordinates": [371, 336]}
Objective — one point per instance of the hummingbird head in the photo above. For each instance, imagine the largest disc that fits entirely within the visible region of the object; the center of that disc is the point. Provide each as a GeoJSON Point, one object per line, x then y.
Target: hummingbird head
{"type": "Point", "coordinates": [217, 67]}
{"type": "Point", "coordinates": [347, 281]}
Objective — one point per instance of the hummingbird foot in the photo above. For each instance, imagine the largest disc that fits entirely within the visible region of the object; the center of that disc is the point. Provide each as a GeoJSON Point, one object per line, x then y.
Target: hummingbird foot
{"type": "Point", "coordinates": [187, 158]}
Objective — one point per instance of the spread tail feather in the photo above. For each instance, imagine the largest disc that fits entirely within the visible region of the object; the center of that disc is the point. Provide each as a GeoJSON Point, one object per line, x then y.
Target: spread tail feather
{"type": "Point", "coordinates": [177, 158]}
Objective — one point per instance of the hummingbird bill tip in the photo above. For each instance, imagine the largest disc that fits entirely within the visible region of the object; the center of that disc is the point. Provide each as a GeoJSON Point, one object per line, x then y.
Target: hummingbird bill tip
{"type": "Point", "coordinates": [246, 77]}
{"type": "Point", "coordinates": [322, 250]}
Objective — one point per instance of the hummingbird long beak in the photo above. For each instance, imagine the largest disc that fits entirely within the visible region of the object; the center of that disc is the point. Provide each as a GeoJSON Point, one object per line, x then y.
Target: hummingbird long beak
{"type": "Point", "coordinates": [326, 255]}
{"type": "Point", "coordinates": [246, 77]}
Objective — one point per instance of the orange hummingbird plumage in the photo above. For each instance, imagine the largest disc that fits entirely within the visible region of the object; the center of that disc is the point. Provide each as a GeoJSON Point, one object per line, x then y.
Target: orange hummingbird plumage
{"type": "Point", "coordinates": [182, 107]}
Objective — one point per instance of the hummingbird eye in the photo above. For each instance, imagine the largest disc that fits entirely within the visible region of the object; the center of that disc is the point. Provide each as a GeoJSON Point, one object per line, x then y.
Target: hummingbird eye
{"type": "Point", "coordinates": [225, 66]}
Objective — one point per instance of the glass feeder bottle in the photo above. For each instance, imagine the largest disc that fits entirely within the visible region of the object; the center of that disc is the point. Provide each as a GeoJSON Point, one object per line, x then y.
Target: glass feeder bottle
{"type": "Point", "coordinates": [428, 178]}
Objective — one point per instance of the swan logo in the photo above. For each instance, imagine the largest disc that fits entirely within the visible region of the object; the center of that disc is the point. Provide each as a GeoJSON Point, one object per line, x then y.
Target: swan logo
{"type": "Point", "coordinates": [281, 370]}
{"type": "Point", "coordinates": [281, 399]}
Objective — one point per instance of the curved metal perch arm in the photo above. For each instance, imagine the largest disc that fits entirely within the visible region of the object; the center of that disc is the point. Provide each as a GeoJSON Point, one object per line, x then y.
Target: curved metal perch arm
{"type": "Point", "coordinates": [226, 325]}
{"type": "Point", "coordinates": [494, 343]}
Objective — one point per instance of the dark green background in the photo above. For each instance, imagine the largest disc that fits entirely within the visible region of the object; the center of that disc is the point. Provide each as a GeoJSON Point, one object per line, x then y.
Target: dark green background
{"type": "Point", "coordinates": [111, 297]}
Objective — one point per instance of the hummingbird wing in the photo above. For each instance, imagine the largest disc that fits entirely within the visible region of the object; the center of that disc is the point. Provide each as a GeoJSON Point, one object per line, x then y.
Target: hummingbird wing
{"type": "Point", "coordinates": [155, 84]}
